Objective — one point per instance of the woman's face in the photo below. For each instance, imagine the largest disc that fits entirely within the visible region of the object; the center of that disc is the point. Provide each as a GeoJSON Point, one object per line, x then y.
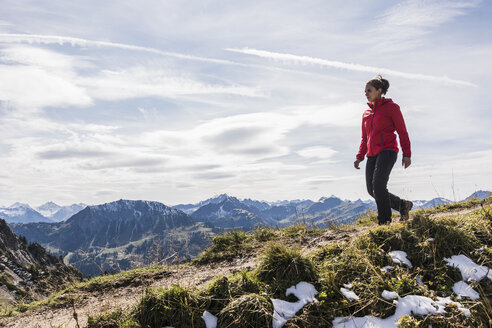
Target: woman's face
{"type": "Point", "coordinates": [372, 93]}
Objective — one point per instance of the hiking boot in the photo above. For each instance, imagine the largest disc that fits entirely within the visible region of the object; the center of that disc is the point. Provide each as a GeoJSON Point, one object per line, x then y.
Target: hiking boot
{"type": "Point", "coordinates": [405, 208]}
{"type": "Point", "coordinates": [385, 222]}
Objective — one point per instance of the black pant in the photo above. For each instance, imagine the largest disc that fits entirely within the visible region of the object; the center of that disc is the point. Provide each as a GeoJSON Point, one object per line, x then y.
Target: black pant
{"type": "Point", "coordinates": [378, 169]}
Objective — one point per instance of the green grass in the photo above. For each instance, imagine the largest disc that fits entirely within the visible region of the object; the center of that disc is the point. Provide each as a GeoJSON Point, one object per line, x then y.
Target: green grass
{"type": "Point", "coordinates": [96, 285]}
{"type": "Point", "coordinates": [247, 311]}
{"type": "Point", "coordinates": [243, 299]}
{"type": "Point", "coordinates": [226, 247]}
{"type": "Point", "coordinates": [175, 306]}
{"type": "Point", "coordinates": [219, 293]}
{"type": "Point", "coordinates": [282, 267]}
{"type": "Point", "coordinates": [115, 319]}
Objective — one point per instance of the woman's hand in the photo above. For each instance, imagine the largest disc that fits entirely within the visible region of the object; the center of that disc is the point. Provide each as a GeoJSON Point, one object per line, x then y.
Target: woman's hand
{"type": "Point", "coordinates": [356, 164]}
{"type": "Point", "coordinates": [406, 162]}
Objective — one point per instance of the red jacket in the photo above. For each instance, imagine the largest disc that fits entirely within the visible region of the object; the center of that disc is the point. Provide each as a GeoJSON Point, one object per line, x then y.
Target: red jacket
{"type": "Point", "coordinates": [379, 124]}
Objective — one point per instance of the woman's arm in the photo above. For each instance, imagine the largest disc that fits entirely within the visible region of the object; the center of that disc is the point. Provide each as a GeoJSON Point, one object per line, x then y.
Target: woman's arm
{"type": "Point", "coordinates": [401, 128]}
{"type": "Point", "coordinates": [362, 147]}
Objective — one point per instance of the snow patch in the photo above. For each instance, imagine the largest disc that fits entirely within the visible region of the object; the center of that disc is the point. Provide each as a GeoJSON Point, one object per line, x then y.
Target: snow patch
{"type": "Point", "coordinates": [387, 295]}
{"type": "Point", "coordinates": [387, 268]}
{"type": "Point", "coordinates": [470, 271]}
{"type": "Point", "coordinates": [283, 310]}
{"type": "Point", "coordinates": [350, 295]}
{"type": "Point", "coordinates": [210, 319]}
{"type": "Point", "coordinates": [400, 257]}
{"type": "Point", "coordinates": [408, 305]}
{"type": "Point", "coordinates": [462, 289]}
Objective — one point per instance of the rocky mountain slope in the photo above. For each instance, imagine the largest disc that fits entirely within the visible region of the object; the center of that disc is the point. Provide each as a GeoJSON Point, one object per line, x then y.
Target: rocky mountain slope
{"type": "Point", "coordinates": [353, 269]}
{"type": "Point", "coordinates": [120, 235]}
{"type": "Point", "coordinates": [231, 213]}
{"type": "Point", "coordinates": [28, 271]}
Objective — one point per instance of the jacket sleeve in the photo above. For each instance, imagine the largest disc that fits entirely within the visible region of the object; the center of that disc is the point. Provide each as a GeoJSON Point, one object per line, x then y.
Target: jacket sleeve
{"type": "Point", "coordinates": [363, 143]}
{"type": "Point", "coordinates": [402, 131]}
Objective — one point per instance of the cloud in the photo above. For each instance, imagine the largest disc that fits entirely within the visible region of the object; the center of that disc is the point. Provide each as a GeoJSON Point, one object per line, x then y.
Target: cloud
{"type": "Point", "coordinates": [141, 82]}
{"type": "Point", "coordinates": [36, 78]}
{"type": "Point", "coordinates": [34, 87]}
{"type": "Point", "coordinates": [42, 58]}
{"type": "Point", "coordinates": [141, 164]}
{"type": "Point", "coordinates": [294, 59]}
{"type": "Point", "coordinates": [404, 24]}
{"type": "Point", "coordinates": [420, 14]}
{"type": "Point", "coordinates": [32, 77]}
{"type": "Point", "coordinates": [61, 40]}
{"type": "Point", "coordinates": [320, 152]}
{"type": "Point", "coordinates": [212, 176]}
{"type": "Point", "coordinates": [75, 153]}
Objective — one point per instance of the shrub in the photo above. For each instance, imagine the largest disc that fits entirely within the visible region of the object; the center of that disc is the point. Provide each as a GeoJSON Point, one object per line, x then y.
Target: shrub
{"type": "Point", "coordinates": [246, 282]}
{"type": "Point", "coordinates": [225, 247]}
{"type": "Point", "coordinates": [248, 311]}
{"type": "Point", "coordinates": [169, 307]}
{"type": "Point", "coordinates": [451, 237]}
{"type": "Point", "coordinates": [217, 294]}
{"type": "Point", "coordinates": [282, 267]}
{"type": "Point", "coordinates": [263, 234]}
{"type": "Point", "coordinates": [222, 290]}
{"type": "Point", "coordinates": [367, 219]}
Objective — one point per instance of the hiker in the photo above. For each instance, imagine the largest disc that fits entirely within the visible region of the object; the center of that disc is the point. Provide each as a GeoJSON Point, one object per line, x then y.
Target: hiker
{"type": "Point", "coordinates": [379, 124]}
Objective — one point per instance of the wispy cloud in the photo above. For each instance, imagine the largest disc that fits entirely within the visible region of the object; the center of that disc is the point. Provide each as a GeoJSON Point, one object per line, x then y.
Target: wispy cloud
{"type": "Point", "coordinates": [321, 152]}
{"type": "Point", "coordinates": [35, 78]}
{"type": "Point", "coordinates": [421, 14]}
{"type": "Point", "coordinates": [405, 24]}
{"type": "Point", "coordinates": [140, 81]}
{"type": "Point", "coordinates": [54, 39]}
{"type": "Point", "coordinates": [294, 59]}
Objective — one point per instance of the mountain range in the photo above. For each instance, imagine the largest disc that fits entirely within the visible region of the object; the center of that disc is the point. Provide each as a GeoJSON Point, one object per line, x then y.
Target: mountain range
{"type": "Point", "coordinates": [48, 212]}
{"type": "Point", "coordinates": [120, 235]}
{"type": "Point", "coordinates": [128, 233]}
{"type": "Point", "coordinates": [278, 210]}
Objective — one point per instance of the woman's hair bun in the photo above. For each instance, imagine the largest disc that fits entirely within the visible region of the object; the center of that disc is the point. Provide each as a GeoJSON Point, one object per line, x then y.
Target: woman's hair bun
{"type": "Point", "coordinates": [380, 83]}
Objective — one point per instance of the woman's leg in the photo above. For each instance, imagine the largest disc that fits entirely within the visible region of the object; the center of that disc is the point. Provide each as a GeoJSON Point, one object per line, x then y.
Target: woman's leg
{"type": "Point", "coordinates": [385, 161]}
{"type": "Point", "coordinates": [370, 166]}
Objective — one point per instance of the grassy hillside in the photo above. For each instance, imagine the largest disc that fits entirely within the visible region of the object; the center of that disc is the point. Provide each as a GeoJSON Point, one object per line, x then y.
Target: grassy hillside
{"type": "Point", "coordinates": [354, 256]}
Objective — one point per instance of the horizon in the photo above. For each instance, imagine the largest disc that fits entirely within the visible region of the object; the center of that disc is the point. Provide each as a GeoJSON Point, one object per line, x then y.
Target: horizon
{"type": "Point", "coordinates": [173, 103]}
{"type": "Point", "coordinates": [239, 198]}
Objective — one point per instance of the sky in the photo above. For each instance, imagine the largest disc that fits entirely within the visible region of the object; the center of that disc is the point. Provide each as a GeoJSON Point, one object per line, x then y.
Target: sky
{"type": "Point", "coordinates": [177, 101]}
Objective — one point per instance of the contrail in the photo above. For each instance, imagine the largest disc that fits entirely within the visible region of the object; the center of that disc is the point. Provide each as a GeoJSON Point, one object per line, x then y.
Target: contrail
{"type": "Point", "coordinates": [352, 67]}
{"type": "Point", "coordinates": [53, 39]}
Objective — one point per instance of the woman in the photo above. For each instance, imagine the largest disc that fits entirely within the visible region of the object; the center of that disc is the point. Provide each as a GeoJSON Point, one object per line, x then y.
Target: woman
{"type": "Point", "coordinates": [379, 124]}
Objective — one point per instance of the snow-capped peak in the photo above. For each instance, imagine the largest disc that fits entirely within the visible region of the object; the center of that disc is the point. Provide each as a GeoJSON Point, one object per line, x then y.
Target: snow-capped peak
{"type": "Point", "coordinates": [19, 205]}
{"type": "Point", "coordinates": [48, 209]}
{"type": "Point", "coordinates": [323, 199]}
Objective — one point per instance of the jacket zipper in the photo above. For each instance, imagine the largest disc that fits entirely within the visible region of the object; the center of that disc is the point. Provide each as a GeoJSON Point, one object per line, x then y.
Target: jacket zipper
{"type": "Point", "coordinates": [373, 113]}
